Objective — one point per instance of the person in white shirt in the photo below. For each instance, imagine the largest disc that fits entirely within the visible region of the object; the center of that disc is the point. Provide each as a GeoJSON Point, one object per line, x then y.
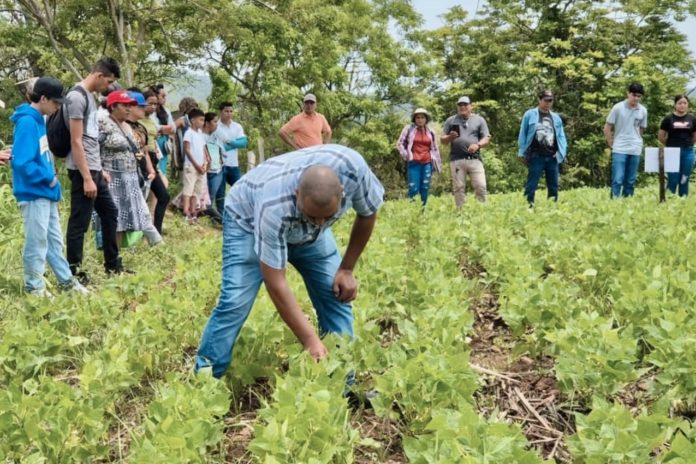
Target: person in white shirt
{"type": "Point", "coordinates": [232, 137]}
{"type": "Point", "coordinates": [623, 132]}
{"type": "Point", "coordinates": [195, 164]}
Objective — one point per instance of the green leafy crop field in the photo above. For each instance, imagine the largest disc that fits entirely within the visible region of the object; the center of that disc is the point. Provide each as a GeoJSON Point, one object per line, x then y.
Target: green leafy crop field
{"type": "Point", "coordinates": [493, 334]}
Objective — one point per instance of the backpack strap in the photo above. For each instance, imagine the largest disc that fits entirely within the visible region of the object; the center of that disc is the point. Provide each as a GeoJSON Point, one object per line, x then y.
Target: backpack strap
{"type": "Point", "coordinates": [82, 90]}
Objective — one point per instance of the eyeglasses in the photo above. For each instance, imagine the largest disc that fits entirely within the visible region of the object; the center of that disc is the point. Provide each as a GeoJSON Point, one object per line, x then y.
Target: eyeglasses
{"type": "Point", "coordinates": [548, 99]}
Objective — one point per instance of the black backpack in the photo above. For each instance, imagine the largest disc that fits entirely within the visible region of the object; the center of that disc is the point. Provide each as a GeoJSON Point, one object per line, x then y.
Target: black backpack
{"type": "Point", "coordinates": [58, 132]}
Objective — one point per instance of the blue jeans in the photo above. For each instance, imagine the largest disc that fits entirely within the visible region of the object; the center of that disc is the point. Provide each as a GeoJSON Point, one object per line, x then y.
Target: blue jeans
{"type": "Point", "coordinates": [216, 190]}
{"type": "Point", "coordinates": [241, 278]}
{"type": "Point", "coordinates": [232, 174]}
{"type": "Point", "coordinates": [43, 242]}
{"type": "Point", "coordinates": [537, 166]}
{"type": "Point", "coordinates": [419, 175]}
{"type": "Point", "coordinates": [681, 178]}
{"type": "Point", "coordinates": [624, 172]}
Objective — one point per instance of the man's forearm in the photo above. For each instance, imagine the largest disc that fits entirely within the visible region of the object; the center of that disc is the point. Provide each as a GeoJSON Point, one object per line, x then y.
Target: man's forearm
{"type": "Point", "coordinates": [286, 304]}
{"type": "Point", "coordinates": [608, 135]}
{"type": "Point", "coordinates": [359, 236]}
{"type": "Point", "coordinates": [80, 160]}
{"type": "Point", "coordinates": [286, 138]}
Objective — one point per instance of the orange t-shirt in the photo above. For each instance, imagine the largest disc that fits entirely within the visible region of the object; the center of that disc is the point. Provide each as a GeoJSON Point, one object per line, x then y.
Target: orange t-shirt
{"type": "Point", "coordinates": [307, 130]}
{"type": "Point", "coordinates": [421, 147]}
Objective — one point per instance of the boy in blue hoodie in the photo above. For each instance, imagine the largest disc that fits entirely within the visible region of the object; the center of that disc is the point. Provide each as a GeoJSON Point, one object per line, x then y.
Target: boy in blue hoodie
{"type": "Point", "coordinates": [37, 189]}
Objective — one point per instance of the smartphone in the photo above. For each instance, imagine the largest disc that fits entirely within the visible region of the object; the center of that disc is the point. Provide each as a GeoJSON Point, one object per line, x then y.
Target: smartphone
{"type": "Point", "coordinates": [455, 128]}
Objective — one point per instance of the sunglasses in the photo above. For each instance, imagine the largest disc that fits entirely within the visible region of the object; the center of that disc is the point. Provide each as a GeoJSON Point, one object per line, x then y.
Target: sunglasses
{"type": "Point", "coordinates": [548, 99]}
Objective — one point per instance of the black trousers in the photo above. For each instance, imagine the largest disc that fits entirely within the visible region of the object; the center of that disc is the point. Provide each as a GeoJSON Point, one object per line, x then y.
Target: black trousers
{"type": "Point", "coordinates": [81, 209]}
{"type": "Point", "coordinates": [160, 192]}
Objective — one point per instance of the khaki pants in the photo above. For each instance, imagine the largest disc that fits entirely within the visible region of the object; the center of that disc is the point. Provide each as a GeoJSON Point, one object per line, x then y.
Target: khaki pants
{"type": "Point", "coordinates": [474, 168]}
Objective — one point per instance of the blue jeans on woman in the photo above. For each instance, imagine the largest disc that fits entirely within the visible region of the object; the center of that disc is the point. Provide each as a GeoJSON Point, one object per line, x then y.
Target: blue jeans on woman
{"type": "Point", "coordinates": [624, 172]}
{"type": "Point", "coordinates": [681, 178]}
{"type": "Point", "coordinates": [419, 175]}
{"type": "Point", "coordinates": [317, 262]}
{"type": "Point", "coordinates": [536, 166]}
{"type": "Point", "coordinates": [43, 242]}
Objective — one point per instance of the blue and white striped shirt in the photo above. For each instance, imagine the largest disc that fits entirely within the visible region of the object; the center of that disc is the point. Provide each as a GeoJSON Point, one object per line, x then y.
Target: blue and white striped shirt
{"type": "Point", "coordinates": [264, 201]}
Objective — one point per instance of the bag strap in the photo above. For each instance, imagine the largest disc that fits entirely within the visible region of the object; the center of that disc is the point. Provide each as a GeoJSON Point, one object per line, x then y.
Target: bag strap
{"type": "Point", "coordinates": [83, 91]}
{"type": "Point", "coordinates": [133, 146]}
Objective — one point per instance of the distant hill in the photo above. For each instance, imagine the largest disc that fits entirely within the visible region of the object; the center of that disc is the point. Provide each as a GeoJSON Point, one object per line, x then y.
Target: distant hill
{"type": "Point", "coordinates": [190, 84]}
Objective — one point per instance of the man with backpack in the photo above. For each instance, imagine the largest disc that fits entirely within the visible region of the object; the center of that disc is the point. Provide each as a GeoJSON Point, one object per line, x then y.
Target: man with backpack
{"type": "Point", "coordinates": [89, 190]}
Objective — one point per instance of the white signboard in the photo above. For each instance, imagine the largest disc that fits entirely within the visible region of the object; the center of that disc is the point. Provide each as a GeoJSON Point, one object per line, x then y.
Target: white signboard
{"type": "Point", "coordinates": [652, 159]}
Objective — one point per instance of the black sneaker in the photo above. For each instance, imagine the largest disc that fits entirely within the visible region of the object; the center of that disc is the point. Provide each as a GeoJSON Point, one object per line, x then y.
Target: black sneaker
{"type": "Point", "coordinates": [356, 401]}
{"type": "Point", "coordinates": [81, 276]}
{"type": "Point", "coordinates": [118, 271]}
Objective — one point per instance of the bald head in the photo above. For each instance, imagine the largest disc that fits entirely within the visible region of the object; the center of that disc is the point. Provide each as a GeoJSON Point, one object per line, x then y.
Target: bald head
{"type": "Point", "coordinates": [320, 185]}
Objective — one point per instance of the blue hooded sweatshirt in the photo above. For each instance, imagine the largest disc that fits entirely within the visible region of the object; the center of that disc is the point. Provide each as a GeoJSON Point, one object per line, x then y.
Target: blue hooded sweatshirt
{"type": "Point", "coordinates": [32, 162]}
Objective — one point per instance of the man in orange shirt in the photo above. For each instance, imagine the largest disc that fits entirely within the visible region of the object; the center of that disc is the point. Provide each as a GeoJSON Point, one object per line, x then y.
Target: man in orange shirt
{"type": "Point", "coordinates": [308, 128]}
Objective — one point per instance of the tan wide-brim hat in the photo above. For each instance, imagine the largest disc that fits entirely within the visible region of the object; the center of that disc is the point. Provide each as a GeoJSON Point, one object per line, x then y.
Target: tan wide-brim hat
{"type": "Point", "coordinates": [422, 111]}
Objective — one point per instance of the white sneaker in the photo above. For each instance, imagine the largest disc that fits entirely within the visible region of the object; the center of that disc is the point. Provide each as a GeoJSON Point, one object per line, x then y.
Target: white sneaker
{"type": "Point", "coordinates": [41, 293]}
{"type": "Point", "coordinates": [79, 288]}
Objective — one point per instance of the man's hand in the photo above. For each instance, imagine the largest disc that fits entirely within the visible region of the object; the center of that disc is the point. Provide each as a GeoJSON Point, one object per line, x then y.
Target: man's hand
{"type": "Point", "coordinates": [5, 155]}
{"type": "Point", "coordinates": [106, 176]}
{"type": "Point", "coordinates": [150, 175]}
{"type": "Point", "coordinates": [453, 135]}
{"type": "Point", "coordinates": [200, 169]}
{"type": "Point", "coordinates": [473, 150]}
{"type": "Point", "coordinates": [316, 349]}
{"type": "Point", "coordinates": [345, 287]}
{"type": "Point", "coordinates": [89, 187]}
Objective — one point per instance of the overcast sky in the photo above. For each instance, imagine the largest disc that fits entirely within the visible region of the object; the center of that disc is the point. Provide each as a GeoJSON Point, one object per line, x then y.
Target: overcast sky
{"type": "Point", "coordinates": [431, 9]}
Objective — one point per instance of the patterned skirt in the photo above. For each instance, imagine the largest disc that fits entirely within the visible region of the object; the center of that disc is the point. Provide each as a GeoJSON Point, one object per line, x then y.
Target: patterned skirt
{"type": "Point", "coordinates": [133, 213]}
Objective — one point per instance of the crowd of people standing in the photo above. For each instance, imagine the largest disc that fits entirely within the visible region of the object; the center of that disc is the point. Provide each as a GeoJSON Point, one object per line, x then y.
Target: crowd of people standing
{"type": "Point", "coordinates": [542, 146]}
{"type": "Point", "coordinates": [280, 212]}
{"type": "Point", "coordinates": [121, 146]}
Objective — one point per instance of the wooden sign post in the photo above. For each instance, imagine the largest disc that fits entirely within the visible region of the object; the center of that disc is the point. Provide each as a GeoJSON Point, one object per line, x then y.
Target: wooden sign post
{"type": "Point", "coordinates": [662, 174]}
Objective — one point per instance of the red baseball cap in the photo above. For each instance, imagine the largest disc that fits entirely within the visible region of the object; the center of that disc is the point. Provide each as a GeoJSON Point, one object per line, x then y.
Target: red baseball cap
{"type": "Point", "coordinates": [119, 96]}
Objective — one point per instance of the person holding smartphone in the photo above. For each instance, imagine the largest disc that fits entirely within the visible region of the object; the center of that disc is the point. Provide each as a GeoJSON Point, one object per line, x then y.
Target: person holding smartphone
{"type": "Point", "coordinates": [468, 133]}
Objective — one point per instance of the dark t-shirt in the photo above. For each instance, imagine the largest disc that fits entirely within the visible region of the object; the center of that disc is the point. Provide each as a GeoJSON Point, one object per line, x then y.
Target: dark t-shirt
{"type": "Point", "coordinates": [544, 142]}
{"type": "Point", "coordinates": [471, 131]}
{"type": "Point", "coordinates": [680, 130]}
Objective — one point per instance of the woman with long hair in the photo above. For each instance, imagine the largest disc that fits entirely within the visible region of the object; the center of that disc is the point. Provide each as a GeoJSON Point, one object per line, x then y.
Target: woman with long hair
{"type": "Point", "coordinates": [678, 129]}
{"type": "Point", "coordinates": [166, 130]}
{"type": "Point", "coordinates": [145, 131]}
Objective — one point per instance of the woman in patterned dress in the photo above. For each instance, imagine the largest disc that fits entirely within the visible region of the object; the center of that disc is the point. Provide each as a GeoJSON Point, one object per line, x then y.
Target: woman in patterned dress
{"type": "Point", "coordinates": [118, 150]}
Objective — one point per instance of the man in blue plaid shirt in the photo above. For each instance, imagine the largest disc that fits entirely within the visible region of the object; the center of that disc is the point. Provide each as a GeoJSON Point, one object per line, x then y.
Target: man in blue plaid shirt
{"type": "Point", "coordinates": [281, 212]}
